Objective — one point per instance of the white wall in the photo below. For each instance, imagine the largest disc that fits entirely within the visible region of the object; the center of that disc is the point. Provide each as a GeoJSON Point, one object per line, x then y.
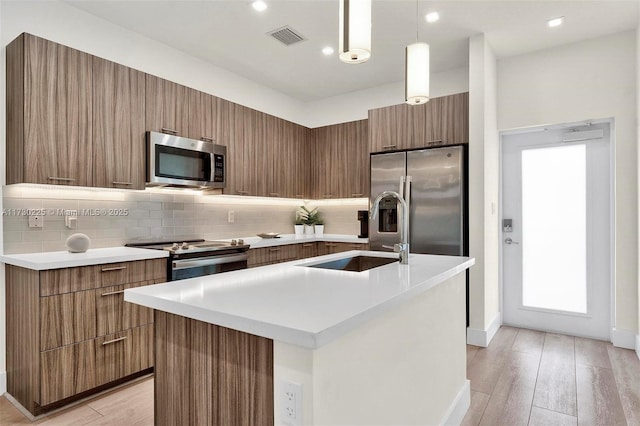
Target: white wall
{"type": "Point", "coordinates": [484, 292]}
{"type": "Point", "coordinates": [587, 80]}
{"type": "Point", "coordinates": [356, 105]}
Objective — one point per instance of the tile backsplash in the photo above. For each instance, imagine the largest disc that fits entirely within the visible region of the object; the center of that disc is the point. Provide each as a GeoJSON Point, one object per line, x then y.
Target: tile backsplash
{"type": "Point", "coordinates": [112, 218]}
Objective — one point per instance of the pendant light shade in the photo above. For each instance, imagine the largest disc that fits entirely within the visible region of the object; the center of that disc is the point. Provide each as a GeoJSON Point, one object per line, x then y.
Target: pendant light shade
{"type": "Point", "coordinates": [416, 78]}
{"type": "Point", "coordinates": [355, 31]}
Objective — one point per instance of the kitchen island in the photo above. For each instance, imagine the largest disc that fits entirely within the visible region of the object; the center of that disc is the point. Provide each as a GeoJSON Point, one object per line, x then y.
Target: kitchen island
{"type": "Point", "coordinates": [382, 346]}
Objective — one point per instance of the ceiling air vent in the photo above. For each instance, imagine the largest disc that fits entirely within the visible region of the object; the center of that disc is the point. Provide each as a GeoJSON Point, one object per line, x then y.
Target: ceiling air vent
{"type": "Point", "coordinates": [286, 35]}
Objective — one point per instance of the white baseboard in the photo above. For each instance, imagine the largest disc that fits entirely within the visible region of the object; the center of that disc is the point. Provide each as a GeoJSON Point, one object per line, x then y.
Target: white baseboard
{"type": "Point", "coordinates": [3, 382]}
{"type": "Point", "coordinates": [638, 345]}
{"type": "Point", "coordinates": [623, 339]}
{"type": "Point", "coordinates": [459, 406]}
{"type": "Point", "coordinates": [482, 338]}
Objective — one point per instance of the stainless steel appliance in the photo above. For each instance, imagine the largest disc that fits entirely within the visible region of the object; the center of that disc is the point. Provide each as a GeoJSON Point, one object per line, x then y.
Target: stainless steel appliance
{"type": "Point", "coordinates": [195, 258]}
{"type": "Point", "coordinates": [432, 181]}
{"type": "Point", "coordinates": [183, 162]}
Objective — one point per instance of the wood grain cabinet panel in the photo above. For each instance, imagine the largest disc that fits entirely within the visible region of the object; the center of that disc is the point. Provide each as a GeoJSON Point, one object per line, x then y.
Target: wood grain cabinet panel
{"type": "Point", "coordinates": [119, 125]}
{"type": "Point", "coordinates": [330, 247]}
{"type": "Point", "coordinates": [67, 371]}
{"type": "Point", "coordinates": [202, 124]}
{"type": "Point", "coordinates": [340, 167]}
{"type": "Point", "coordinates": [70, 330]}
{"type": "Point", "coordinates": [441, 121]}
{"type": "Point", "coordinates": [49, 113]}
{"type": "Point", "coordinates": [306, 250]}
{"type": "Point", "coordinates": [239, 129]}
{"type": "Point", "coordinates": [166, 106]}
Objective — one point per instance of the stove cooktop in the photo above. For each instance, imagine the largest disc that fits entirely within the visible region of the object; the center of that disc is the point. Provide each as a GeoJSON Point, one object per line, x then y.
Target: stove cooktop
{"type": "Point", "coordinates": [191, 246]}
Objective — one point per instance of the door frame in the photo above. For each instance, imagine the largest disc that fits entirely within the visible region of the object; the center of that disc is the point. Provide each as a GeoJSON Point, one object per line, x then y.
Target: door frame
{"type": "Point", "coordinates": [612, 207]}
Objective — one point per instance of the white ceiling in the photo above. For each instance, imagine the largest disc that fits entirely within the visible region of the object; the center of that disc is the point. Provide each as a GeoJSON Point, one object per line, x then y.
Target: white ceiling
{"type": "Point", "coordinates": [231, 35]}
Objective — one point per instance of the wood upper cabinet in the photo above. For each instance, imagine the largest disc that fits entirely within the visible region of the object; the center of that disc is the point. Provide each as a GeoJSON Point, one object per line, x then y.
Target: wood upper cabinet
{"type": "Point", "coordinates": [119, 125]}
{"type": "Point", "coordinates": [49, 113]}
{"type": "Point", "coordinates": [235, 121]}
{"type": "Point", "coordinates": [441, 121]}
{"type": "Point", "coordinates": [202, 123]}
{"type": "Point", "coordinates": [340, 166]}
{"type": "Point", "coordinates": [167, 107]}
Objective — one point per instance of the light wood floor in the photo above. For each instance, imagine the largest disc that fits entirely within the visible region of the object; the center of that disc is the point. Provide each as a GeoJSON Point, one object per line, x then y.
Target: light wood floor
{"type": "Point", "coordinates": [532, 378]}
{"type": "Point", "coordinates": [132, 405]}
{"type": "Point", "coordinates": [524, 377]}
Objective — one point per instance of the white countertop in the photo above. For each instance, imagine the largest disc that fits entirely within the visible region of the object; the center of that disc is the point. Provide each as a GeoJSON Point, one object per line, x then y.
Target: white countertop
{"type": "Point", "coordinates": [257, 242]}
{"type": "Point", "coordinates": [65, 259]}
{"type": "Point", "coordinates": [299, 305]}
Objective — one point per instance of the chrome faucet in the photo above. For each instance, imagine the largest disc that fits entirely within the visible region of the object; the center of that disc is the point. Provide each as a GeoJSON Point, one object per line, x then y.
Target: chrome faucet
{"type": "Point", "coordinates": [403, 247]}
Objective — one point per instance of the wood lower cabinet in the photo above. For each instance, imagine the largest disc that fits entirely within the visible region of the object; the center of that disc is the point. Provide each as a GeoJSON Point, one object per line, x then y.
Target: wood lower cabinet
{"type": "Point", "coordinates": [285, 253]}
{"type": "Point", "coordinates": [49, 113]}
{"type": "Point", "coordinates": [326, 247]}
{"type": "Point", "coordinates": [70, 332]}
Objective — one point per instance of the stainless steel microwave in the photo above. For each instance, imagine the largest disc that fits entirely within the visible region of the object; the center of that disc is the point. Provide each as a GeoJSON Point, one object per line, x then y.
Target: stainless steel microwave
{"type": "Point", "coordinates": [183, 162]}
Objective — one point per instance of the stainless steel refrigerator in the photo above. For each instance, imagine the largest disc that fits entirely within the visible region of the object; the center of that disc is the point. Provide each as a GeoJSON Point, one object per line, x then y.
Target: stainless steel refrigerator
{"type": "Point", "coordinates": [433, 182]}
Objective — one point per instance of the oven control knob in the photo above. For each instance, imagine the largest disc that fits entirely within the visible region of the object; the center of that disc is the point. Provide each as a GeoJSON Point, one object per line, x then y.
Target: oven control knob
{"type": "Point", "coordinates": [234, 242]}
{"type": "Point", "coordinates": [240, 242]}
{"type": "Point", "coordinates": [185, 246]}
{"type": "Point", "coordinates": [175, 246]}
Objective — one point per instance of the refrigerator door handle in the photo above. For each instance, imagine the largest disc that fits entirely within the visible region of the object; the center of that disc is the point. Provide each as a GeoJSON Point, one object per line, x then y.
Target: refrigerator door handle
{"type": "Point", "coordinates": [407, 199]}
{"type": "Point", "coordinates": [401, 186]}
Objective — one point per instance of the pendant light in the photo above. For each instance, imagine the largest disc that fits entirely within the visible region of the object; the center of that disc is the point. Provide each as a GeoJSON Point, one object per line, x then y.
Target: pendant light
{"type": "Point", "coordinates": [355, 31]}
{"type": "Point", "coordinates": [416, 71]}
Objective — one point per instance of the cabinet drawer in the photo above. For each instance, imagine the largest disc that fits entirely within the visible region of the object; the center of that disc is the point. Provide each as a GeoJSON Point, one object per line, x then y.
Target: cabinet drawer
{"type": "Point", "coordinates": [67, 371]}
{"type": "Point", "coordinates": [306, 250]}
{"type": "Point", "coordinates": [73, 317]}
{"type": "Point", "coordinates": [68, 280]}
{"type": "Point", "coordinates": [121, 354]}
{"type": "Point", "coordinates": [72, 369]}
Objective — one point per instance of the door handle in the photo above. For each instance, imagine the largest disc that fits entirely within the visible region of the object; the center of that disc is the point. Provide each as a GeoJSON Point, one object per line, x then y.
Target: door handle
{"type": "Point", "coordinates": [510, 241]}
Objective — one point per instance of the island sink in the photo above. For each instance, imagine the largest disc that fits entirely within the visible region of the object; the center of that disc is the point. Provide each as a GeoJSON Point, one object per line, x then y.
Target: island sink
{"type": "Point", "coordinates": [355, 263]}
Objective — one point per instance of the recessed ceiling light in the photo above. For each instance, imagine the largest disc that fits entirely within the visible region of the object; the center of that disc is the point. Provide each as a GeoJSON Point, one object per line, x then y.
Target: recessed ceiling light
{"type": "Point", "coordinates": [259, 5]}
{"type": "Point", "coordinates": [555, 22]}
{"type": "Point", "coordinates": [327, 50]}
{"type": "Point", "coordinates": [432, 17]}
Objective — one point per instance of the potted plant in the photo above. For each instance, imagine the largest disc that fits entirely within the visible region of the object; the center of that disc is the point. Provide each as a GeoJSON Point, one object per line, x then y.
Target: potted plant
{"type": "Point", "coordinates": [298, 227]}
{"type": "Point", "coordinates": [319, 227]}
{"type": "Point", "coordinates": [309, 218]}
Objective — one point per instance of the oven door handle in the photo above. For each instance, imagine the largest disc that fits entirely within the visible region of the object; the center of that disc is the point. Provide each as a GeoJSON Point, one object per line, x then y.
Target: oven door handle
{"type": "Point", "coordinates": [206, 261]}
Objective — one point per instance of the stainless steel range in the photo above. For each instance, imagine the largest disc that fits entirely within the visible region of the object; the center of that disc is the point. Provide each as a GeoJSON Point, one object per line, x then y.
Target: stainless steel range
{"type": "Point", "coordinates": [196, 257]}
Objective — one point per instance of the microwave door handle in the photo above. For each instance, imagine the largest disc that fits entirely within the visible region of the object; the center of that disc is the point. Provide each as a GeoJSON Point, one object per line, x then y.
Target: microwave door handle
{"type": "Point", "coordinates": [207, 261]}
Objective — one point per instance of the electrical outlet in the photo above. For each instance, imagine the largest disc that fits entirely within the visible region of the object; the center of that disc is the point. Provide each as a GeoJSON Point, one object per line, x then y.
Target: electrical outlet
{"type": "Point", "coordinates": [231, 216]}
{"type": "Point", "coordinates": [36, 221]}
{"type": "Point", "coordinates": [291, 403]}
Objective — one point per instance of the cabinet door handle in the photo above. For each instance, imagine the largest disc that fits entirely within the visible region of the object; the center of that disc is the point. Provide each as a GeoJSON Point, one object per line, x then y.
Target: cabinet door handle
{"type": "Point", "coordinates": [299, 196]}
{"type": "Point", "coordinates": [63, 179]}
{"type": "Point", "coordinates": [436, 142]}
{"type": "Point", "coordinates": [274, 194]}
{"type": "Point", "coordinates": [308, 245]}
{"type": "Point", "coordinates": [207, 139]}
{"type": "Point", "coordinates": [388, 146]}
{"type": "Point", "coordinates": [329, 245]}
{"type": "Point", "coordinates": [327, 196]}
{"type": "Point", "coordinates": [357, 195]}
{"type": "Point", "coordinates": [166, 130]}
{"type": "Point", "coordinates": [119, 339]}
{"type": "Point", "coordinates": [115, 268]}
{"type": "Point", "coordinates": [242, 192]}
{"type": "Point", "coordinates": [274, 249]}
{"type": "Point", "coordinates": [115, 182]}
{"type": "Point", "coordinates": [111, 293]}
